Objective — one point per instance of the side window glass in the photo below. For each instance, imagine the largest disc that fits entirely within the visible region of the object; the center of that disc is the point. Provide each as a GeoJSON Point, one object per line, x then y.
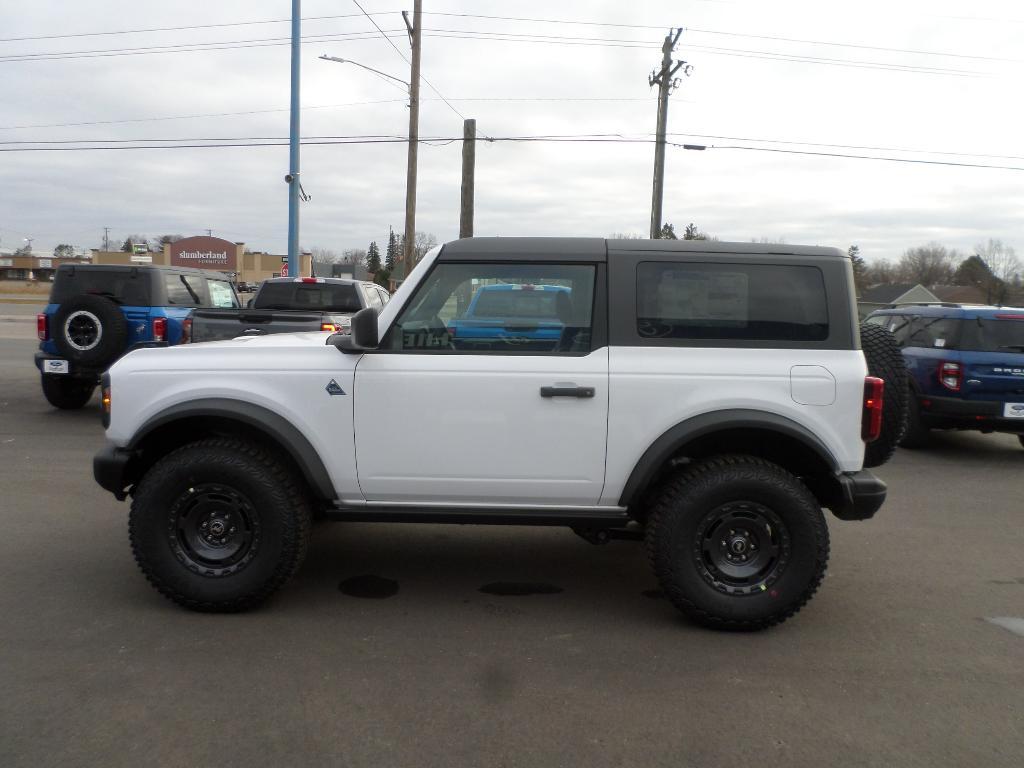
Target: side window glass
{"type": "Point", "coordinates": [385, 297]}
{"type": "Point", "coordinates": [730, 301]}
{"type": "Point", "coordinates": [901, 326]}
{"type": "Point", "coordinates": [221, 295]}
{"type": "Point", "coordinates": [934, 332]}
{"type": "Point", "coordinates": [499, 308]}
{"type": "Point", "coordinates": [372, 297]}
{"type": "Point", "coordinates": [182, 291]}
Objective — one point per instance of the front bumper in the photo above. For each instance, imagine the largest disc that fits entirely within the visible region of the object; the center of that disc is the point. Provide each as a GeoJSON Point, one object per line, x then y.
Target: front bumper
{"type": "Point", "coordinates": [860, 495]}
{"type": "Point", "coordinates": [111, 467]}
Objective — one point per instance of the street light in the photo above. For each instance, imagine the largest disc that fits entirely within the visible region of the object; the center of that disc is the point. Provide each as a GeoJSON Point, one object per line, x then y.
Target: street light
{"type": "Point", "coordinates": [413, 141]}
{"type": "Point", "coordinates": [325, 57]}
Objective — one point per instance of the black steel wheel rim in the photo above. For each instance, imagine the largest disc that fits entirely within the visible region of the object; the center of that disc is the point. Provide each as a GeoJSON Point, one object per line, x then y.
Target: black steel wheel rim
{"type": "Point", "coordinates": [83, 331]}
{"type": "Point", "coordinates": [213, 529]}
{"type": "Point", "coordinates": [742, 548]}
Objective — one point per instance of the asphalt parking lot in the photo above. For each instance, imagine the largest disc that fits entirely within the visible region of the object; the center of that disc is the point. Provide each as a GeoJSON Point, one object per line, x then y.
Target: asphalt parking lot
{"type": "Point", "coordinates": [894, 663]}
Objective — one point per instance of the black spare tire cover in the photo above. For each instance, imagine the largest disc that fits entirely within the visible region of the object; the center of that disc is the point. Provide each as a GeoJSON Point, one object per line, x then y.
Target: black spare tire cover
{"type": "Point", "coordinates": [90, 330]}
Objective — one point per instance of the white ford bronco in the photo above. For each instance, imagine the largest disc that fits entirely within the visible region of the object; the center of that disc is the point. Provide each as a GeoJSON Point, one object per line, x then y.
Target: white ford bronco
{"type": "Point", "coordinates": [711, 398]}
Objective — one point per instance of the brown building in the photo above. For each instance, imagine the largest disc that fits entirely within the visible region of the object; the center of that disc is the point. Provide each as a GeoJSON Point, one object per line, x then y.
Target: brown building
{"type": "Point", "coordinates": [210, 253]}
{"type": "Point", "coordinates": [32, 267]}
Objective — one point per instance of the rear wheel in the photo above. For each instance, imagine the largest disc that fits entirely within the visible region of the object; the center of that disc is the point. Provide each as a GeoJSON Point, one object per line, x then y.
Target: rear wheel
{"type": "Point", "coordinates": [916, 435]}
{"type": "Point", "coordinates": [219, 525]}
{"type": "Point", "coordinates": [67, 393]}
{"type": "Point", "coordinates": [737, 542]}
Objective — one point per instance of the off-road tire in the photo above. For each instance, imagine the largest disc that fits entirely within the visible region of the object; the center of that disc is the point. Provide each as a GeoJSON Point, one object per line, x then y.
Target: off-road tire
{"type": "Point", "coordinates": [675, 547]}
{"type": "Point", "coordinates": [886, 362]}
{"type": "Point", "coordinates": [111, 330]}
{"type": "Point", "coordinates": [67, 393]}
{"type": "Point", "coordinates": [243, 475]}
{"type": "Point", "coordinates": [916, 434]}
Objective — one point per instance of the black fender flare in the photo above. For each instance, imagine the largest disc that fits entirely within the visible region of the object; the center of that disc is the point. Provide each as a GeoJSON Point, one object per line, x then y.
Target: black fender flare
{"type": "Point", "coordinates": [715, 421]}
{"type": "Point", "coordinates": [273, 425]}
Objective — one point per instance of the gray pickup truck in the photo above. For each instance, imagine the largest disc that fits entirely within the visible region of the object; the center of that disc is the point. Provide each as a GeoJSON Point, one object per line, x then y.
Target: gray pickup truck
{"type": "Point", "coordinates": [291, 305]}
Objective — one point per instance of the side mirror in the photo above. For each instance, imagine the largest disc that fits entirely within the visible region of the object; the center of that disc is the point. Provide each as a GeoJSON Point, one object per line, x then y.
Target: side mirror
{"type": "Point", "coordinates": [362, 333]}
{"type": "Point", "coordinates": [248, 304]}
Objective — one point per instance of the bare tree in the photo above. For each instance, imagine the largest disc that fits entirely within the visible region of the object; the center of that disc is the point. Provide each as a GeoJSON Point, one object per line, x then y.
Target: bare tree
{"type": "Point", "coordinates": [356, 256]}
{"type": "Point", "coordinates": [324, 255]}
{"type": "Point", "coordinates": [880, 271]}
{"type": "Point", "coordinates": [626, 236]}
{"type": "Point", "coordinates": [1004, 265]}
{"type": "Point", "coordinates": [423, 243]}
{"type": "Point", "coordinates": [931, 264]}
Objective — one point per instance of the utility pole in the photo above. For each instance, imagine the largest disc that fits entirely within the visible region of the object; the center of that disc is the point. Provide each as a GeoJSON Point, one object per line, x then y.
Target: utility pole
{"type": "Point", "coordinates": [666, 82]}
{"type": "Point", "coordinates": [468, 180]}
{"type": "Point", "coordinates": [106, 238]}
{"type": "Point", "coordinates": [209, 233]}
{"type": "Point", "coordinates": [293, 143]}
{"type": "Point", "coordinates": [414, 135]}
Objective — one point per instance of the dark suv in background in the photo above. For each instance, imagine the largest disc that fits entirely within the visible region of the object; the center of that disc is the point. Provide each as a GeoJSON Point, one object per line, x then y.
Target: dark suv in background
{"type": "Point", "coordinates": [965, 366]}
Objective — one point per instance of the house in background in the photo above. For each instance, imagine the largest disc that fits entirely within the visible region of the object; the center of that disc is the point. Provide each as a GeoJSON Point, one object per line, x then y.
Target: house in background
{"type": "Point", "coordinates": [889, 295]}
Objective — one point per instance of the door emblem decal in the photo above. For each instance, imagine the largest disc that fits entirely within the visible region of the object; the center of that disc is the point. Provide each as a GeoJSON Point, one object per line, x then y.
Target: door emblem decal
{"type": "Point", "coordinates": [333, 388]}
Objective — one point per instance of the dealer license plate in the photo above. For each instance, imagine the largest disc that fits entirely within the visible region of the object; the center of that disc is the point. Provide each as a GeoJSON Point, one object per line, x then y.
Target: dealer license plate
{"type": "Point", "coordinates": [1013, 411]}
{"type": "Point", "coordinates": [61, 366]}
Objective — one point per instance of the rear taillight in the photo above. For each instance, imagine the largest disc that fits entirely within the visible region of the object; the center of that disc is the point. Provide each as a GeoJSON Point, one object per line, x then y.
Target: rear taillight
{"type": "Point", "coordinates": [160, 329]}
{"type": "Point", "coordinates": [328, 327]}
{"type": "Point", "coordinates": [871, 419]}
{"type": "Point", "coordinates": [186, 331]}
{"type": "Point", "coordinates": [43, 327]}
{"type": "Point", "coordinates": [950, 375]}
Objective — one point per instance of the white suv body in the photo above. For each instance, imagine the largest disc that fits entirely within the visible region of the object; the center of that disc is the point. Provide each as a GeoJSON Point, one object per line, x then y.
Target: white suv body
{"type": "Point", "coordinates": [520, 423]}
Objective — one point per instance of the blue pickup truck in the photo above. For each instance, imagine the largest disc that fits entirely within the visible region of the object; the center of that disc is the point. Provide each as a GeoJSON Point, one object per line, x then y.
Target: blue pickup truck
{"type": "Point", "coordinates": [534, 317]}
{"type": "Point", "coordinates": [97, 313]}
{"type": "Point", "coordinates": [965, 366]}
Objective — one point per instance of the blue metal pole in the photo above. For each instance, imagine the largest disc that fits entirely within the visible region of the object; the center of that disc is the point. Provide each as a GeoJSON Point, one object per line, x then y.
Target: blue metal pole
{"type": "Point", "coordinates": [293, 144]}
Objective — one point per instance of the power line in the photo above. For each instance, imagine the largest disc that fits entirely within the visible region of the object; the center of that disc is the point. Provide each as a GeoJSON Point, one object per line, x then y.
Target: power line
{"type": "Point", "coordinates": [578, 22]}
{"type": "Point", "coordinates": [324, 106]}
{"type": "Point", "coordinates": [593, 138]}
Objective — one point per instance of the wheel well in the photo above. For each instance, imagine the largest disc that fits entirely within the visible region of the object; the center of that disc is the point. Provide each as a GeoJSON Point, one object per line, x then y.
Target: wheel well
{"type": "Point", "coordinates": [171, 435]}
{"type": "Point", "coordinates": [789, 452]}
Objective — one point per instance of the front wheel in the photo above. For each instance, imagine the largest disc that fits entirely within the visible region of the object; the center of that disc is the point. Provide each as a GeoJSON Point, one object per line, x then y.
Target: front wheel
{"type": "Point", "coordinates": [67, 393]}
{"type": "Point", "coordinates": [737, 543]}
{"type": "Point", "coordinates": [219, 525]}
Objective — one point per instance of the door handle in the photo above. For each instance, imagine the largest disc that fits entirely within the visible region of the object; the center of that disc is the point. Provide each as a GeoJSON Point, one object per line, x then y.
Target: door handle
{"type": "Point", "coordinates": [566, 390]}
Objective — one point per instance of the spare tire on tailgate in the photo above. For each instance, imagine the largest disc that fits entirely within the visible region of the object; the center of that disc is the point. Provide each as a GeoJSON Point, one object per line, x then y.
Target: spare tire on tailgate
{"type": "Point", "coordinates": [89, 330]}
{"type": "Point", "coordinates": [886, 362]}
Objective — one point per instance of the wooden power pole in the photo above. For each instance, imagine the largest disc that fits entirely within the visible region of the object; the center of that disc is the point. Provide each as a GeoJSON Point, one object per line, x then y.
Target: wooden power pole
{"type": "Point", "coordinates": [414, 137]}
{"type": "Point", "coordinates": [665, 82]}
{"type": "Point", "coordinates": [468, 172]}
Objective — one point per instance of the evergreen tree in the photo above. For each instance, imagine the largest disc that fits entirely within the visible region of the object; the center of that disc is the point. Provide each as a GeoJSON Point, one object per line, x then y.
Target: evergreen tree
{"type": "Point", "coordinates": [373, 258]}
{"type": "Point", "coordinates": [392, 253]}
{"type": "Point", "coordinates": [860, 267]}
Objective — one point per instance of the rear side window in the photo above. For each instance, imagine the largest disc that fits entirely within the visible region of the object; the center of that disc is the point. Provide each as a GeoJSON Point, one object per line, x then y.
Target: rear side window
{"type": "Point", "coordinates": [758, 302]}
{"type": "Point", "coordinates": [994, 334]}
{"type": "Point", "coordinates": [183, 290]}
{"type": "Point", "coordinates": [121, 286]}
{"type": "Point", "coordinates": [322, 297]}
{"type": "Point", "coordinates": [934, 332]}
{"type": "Point", "coordinates": [221, 295]}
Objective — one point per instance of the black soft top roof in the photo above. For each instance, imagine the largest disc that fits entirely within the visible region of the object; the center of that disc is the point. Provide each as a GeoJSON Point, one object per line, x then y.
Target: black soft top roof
{"type": "Point", "coordinates": [597, 249]}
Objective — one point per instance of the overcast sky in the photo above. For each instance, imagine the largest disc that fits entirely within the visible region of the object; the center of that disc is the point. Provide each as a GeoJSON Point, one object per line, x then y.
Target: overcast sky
{"type": "Point", "coordinates": [744, 85]}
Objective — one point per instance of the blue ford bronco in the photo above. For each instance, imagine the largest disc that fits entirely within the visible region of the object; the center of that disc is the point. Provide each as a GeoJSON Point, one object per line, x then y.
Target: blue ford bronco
{"type": "Point", "coordinates": [97, 313]}
{"type": "Point", "coordinates": [965, 366]}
